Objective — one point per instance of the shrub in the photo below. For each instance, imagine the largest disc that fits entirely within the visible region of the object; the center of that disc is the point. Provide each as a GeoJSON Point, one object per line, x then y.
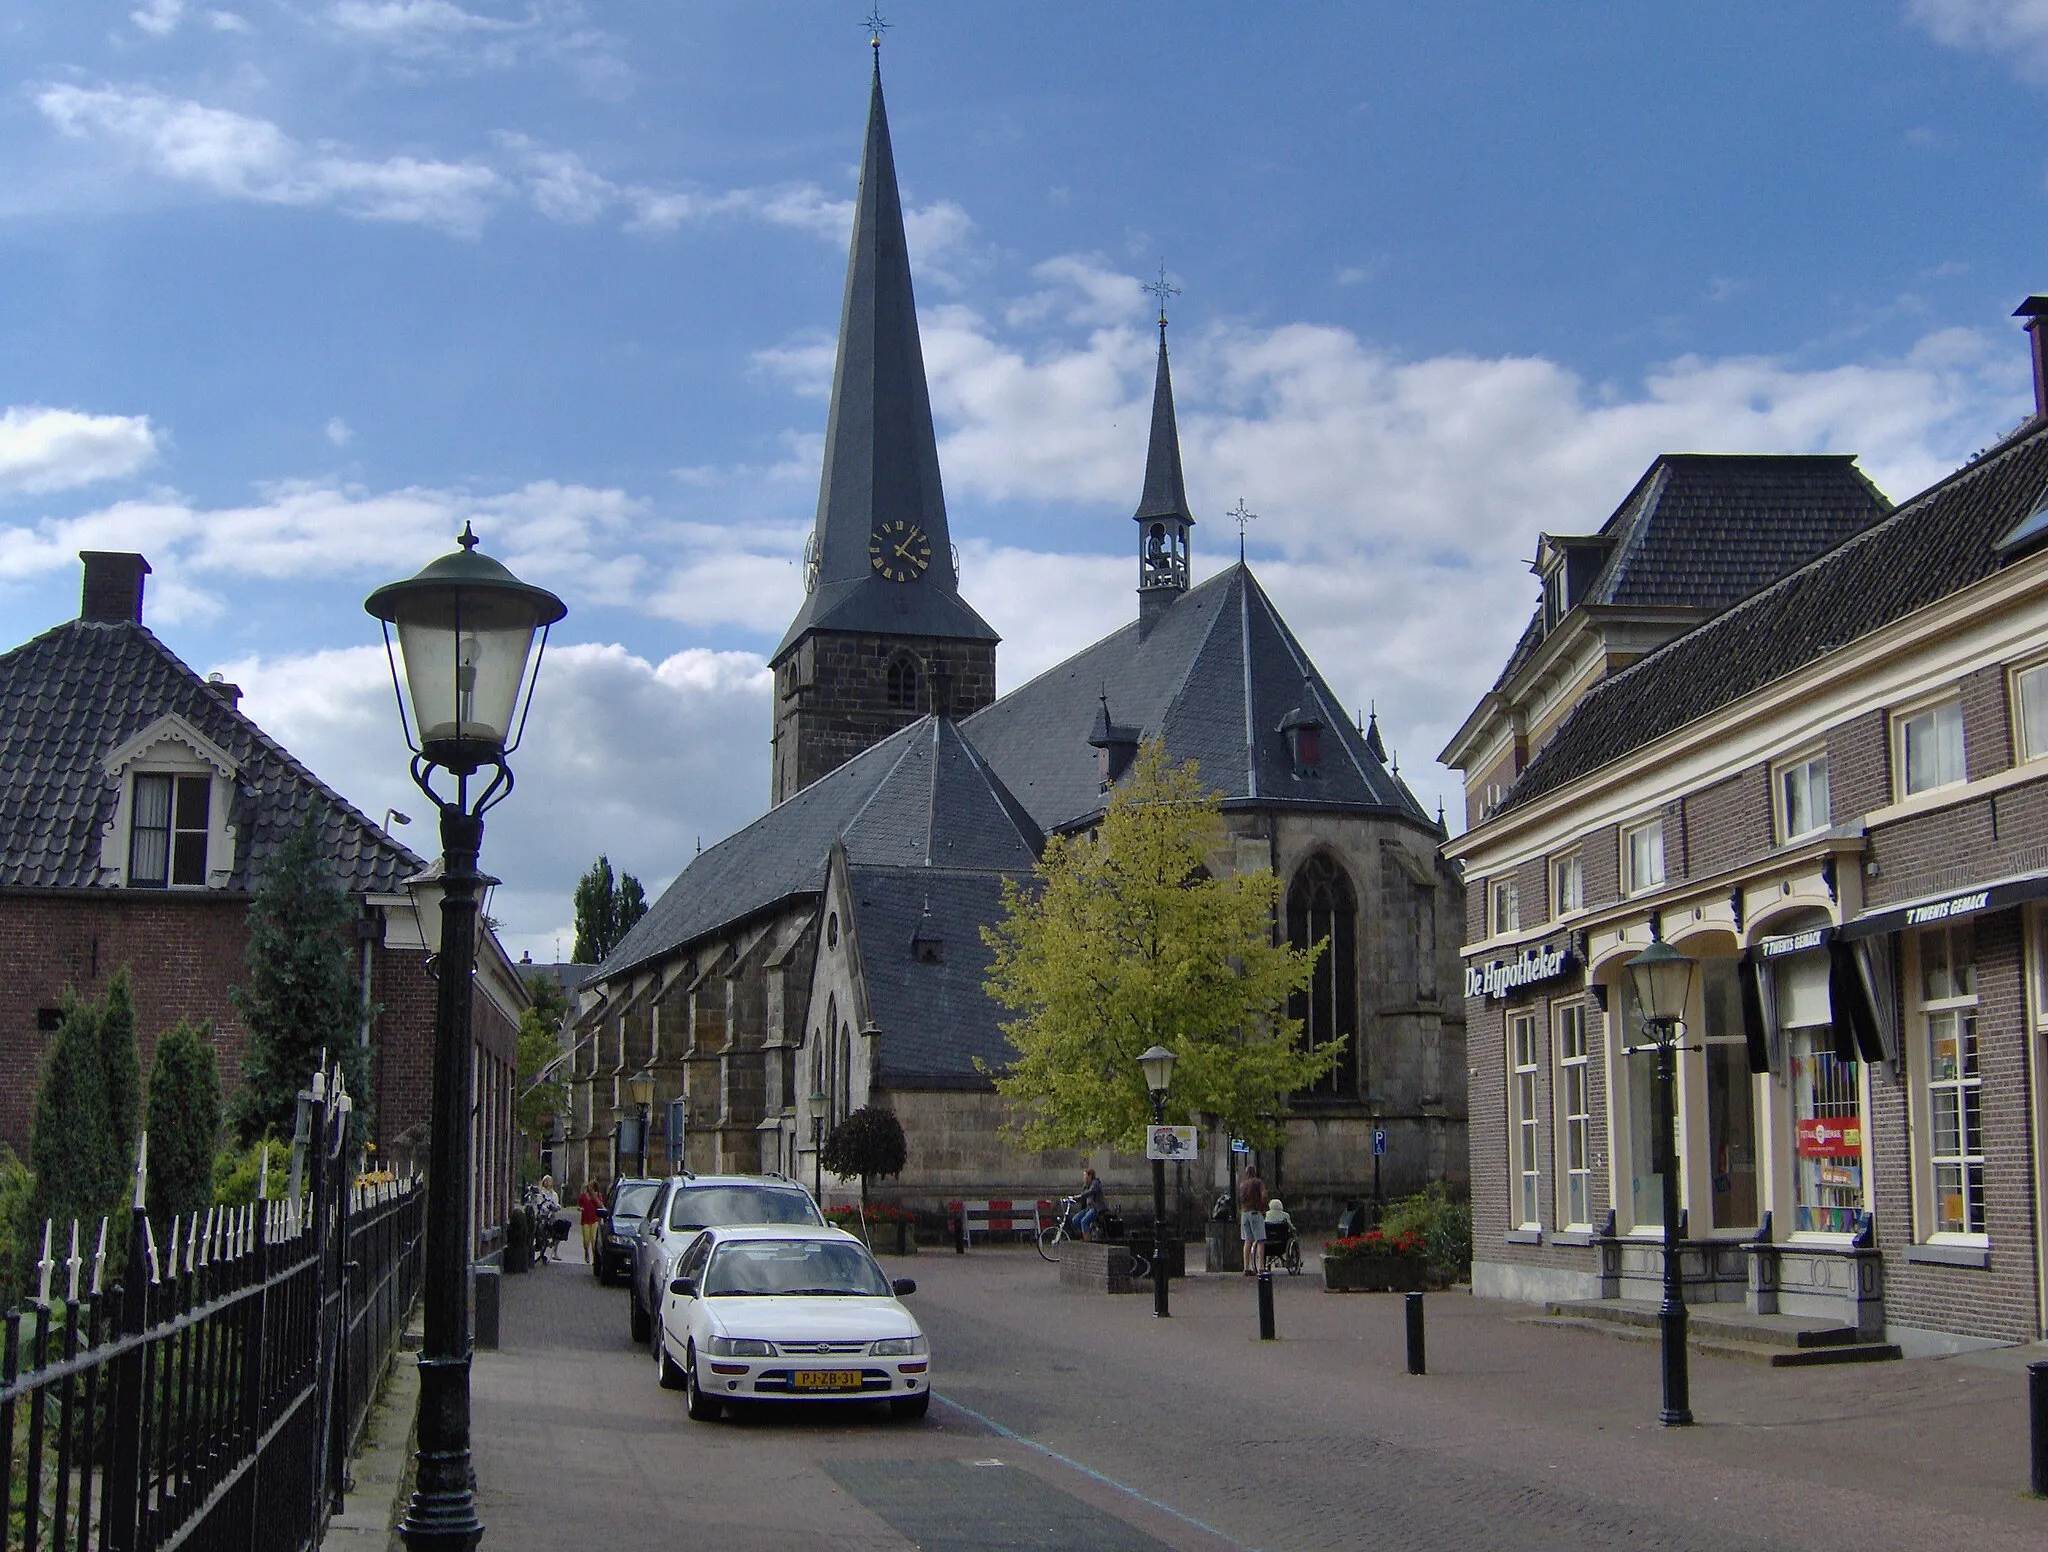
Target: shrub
{"type": "Point", "coordinates": [184, 1122]}
{"type": "Point", "coordinates": [1443, 1226]}
{"type": "Point", "coordinates": [236, 1172]}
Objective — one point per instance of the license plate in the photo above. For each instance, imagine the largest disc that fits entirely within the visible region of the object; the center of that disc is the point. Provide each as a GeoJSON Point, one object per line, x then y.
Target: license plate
{"type": "Point", "coordinates": [825, 1379]}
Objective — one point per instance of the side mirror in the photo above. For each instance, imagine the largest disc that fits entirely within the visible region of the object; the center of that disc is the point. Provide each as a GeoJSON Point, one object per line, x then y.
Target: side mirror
{"type": "Point", "coordinates": [604, 1215]}
{"type": "Point", "coordinates": [686, 1287]}
{"type": "Point", "coordinates": [903, 1285]}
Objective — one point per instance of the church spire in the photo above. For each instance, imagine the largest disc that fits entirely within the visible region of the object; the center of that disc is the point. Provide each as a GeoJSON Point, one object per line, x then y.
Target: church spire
{"type": "Point", "coordinates": [1163, 517]}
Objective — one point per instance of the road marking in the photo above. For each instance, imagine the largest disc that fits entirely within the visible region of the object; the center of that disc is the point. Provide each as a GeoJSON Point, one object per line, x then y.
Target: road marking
{"type": "Point", "coordinates": [1090, 1472]}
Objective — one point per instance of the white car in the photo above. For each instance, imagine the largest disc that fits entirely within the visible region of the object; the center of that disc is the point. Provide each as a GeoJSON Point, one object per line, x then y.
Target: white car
{"type": "Point", "coordinates": [782, 1312]}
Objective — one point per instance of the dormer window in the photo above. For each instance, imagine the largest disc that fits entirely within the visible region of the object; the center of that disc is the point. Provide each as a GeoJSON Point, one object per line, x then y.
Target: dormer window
{"type": "Point", "coordinates": [1555, 601]}
{"type": "Point", "coordinates": [1115, 746]}
{"type": "Point", "coordinates": [167, 834]}
{"type": "Point", "coordinates": [1304, 734]}
{"type": "Point", "coordinates": [170, 827]}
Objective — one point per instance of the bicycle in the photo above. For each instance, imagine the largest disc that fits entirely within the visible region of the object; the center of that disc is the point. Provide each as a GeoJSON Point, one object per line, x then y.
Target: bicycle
{"type": "Point", "coordinates": [1059, 1228]}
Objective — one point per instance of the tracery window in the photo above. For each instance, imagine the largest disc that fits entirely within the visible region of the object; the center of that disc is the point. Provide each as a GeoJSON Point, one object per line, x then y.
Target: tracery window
{"type": "Point", "coordinates": [902, 690]}
{"type": "Point", "coordinates": [1320, 904]}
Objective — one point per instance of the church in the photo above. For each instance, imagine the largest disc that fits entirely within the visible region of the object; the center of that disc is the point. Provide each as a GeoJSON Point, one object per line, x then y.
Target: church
{"type": "Point", "coordinates": [829, 955]}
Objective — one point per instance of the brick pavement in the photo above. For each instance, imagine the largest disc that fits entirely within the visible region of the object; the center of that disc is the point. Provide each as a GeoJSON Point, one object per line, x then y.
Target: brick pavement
{"type": "Point", "coordinates": [1520, 1436]}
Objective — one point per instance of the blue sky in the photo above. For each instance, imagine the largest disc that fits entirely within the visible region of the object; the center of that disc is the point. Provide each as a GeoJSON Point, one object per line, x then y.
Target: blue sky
{"type": "Point", "coordinates": [289, 289]}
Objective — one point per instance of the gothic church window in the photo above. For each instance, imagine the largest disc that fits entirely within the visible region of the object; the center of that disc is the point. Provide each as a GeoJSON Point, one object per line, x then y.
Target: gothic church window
{"type": "Point", "coordinates": [902, 690]}
{"type": "Point", "coordinates": [1321, 905]}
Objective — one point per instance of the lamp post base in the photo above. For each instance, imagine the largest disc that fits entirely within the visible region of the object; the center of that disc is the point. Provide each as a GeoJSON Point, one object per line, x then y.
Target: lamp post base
{"type": "Point", "coordinates": [1671, 1324]}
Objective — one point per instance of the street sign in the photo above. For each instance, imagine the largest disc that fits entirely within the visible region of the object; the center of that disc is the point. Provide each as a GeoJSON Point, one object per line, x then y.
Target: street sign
{"type": "Point", "coordinates": [1170, 1142]}
{"type": "Point", "coordinates": [1239, 1145]}
{"type": "Point", "coordinates": [1379, 1141]}
{"type": "Point", "coordinates": [678, 1124]}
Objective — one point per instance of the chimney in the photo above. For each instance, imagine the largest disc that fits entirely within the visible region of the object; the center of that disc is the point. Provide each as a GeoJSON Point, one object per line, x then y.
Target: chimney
{"type": "Point", "coordinates": [2035, 310]}
{"type": "Point", "coordinates": [113, 587]}
{"type": "Point", "coordinates": [231, 693]}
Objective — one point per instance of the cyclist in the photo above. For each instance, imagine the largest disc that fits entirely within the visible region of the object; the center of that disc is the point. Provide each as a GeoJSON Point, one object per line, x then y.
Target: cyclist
{"type": "Point", "coordinates": [1091, 1200]}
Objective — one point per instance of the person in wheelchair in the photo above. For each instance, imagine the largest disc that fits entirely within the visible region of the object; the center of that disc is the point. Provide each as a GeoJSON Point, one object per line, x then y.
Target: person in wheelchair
{"type": "Point", "coordinates": [1283, 1244]}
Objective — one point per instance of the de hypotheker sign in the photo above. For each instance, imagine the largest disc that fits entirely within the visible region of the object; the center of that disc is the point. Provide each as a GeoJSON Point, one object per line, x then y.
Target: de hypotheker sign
{"type": "Point", "coordinates": [1532, 967]}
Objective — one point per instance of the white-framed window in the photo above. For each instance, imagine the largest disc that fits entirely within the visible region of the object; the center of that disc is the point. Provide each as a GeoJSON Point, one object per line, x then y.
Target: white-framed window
{"type": "Point", "coordinates": [1642, 857]}
{"type": "Point", "coordinates": [1800, 786]}
{"type": "Point", "coordinates": [1506, 907]}
{"type": "Point", "coordinates": [2030, 712]}
{"type": "Point", "coordinates": [1555, 605]}
{"type": "Point", "coordinates": [1522, 1059]}
{"type": "Point", "coordinates": [169, 818]}
{"type": "Point", "coordinates": [1567, 884]}
{"type": "Point", "coordinates": [1574, 1115]}
{"type": "Point", "coordinates": [170, 827]}
{"type": "Point", "coordinates": [1948, 1085]}
{"type": "Point", "coordinates": [1927, 747]}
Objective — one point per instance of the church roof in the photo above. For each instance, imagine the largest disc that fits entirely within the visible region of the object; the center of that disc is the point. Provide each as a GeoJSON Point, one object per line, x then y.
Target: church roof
{"type": "Point", "coordinates": [922, 799]}
{"type": "Point", "coordinates": [935, 1018]}
{"type": "Point", "coordinates": [1215, 676]}
{"type": "Point", "coordinates": [881, 455]}
{"type": "Point", "coordinates": [1166, 492]}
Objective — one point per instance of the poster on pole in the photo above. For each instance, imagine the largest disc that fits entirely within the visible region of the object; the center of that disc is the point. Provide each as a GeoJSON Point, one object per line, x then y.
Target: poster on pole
{"type": "Point", "coordinates": [1170, 1142]}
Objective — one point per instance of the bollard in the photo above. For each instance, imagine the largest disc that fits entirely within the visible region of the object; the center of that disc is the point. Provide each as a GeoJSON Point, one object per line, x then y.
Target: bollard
{"type": "Point", "coordinates": [2037, 1410]}
{"type": "Point", "coordinates": [1265, 1306]}
{"type": "Point", "coordinates": [487, 1289]}
{"type": "Point", "coordinates": [1415, 1354]}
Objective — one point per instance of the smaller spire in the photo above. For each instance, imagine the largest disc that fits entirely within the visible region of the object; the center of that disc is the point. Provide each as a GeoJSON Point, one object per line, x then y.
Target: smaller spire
{"type": "Point", "coordinates": [1373, 743]}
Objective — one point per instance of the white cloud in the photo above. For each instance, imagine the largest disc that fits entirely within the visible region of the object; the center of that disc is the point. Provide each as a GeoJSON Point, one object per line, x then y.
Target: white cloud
{"type": "Point", "coordinates": [235, 156]}
{"type": "Point", "coordinates": [159, 18]}
{"type": "Point", "coordinates": [339, 432]}
{"type": "Point", "coordinates": [2016, 30]}
{"type": "Point", "coordinates": [45, 449]}
{"type": "Point", "coordinates": [226, 21]}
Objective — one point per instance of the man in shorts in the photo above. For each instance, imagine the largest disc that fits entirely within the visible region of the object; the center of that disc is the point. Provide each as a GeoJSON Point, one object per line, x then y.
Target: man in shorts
{"type": "Point", "coordinates": [1251, 1208]}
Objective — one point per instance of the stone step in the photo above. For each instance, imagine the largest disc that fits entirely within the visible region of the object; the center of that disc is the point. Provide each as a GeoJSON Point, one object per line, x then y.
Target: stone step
{"type": "Point", "coordinates": [1714, 1321]}
{"type": "Point", "coordinates": [1776, 1354]}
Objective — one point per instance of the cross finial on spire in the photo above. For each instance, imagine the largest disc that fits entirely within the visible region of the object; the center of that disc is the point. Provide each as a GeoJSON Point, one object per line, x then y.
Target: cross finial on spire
{"type": "Point", "coordinates": [876, 26]}
{"type": "Point", "coordinates": [1243, 517]}
{"type": "Point", "coordinates": [1162, 288]}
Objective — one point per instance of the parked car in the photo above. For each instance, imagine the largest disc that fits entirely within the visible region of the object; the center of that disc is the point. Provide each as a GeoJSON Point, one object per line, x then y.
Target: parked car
{"type": "Point", "coordinates": [689, 1204]}
{"type": "Point", "coordinates": [619, 1225]}
{"type": "Point", "coordinates": [774, 1313]}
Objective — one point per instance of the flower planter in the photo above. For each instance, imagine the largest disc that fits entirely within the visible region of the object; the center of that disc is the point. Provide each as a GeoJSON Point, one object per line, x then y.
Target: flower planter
{"type": "Point", "coordinates": [893, 1239]}
{"type": "Point", "coordinates": [1376, 1274]}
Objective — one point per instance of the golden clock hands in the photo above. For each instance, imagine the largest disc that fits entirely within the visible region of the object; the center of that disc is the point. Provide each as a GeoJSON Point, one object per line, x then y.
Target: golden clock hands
{"type": "Point", "coordinates": [909, 539]}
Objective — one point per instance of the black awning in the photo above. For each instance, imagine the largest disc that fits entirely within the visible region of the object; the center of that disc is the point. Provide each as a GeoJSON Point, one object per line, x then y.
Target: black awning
{"type": "Point", "coordinates": [1949, 907]}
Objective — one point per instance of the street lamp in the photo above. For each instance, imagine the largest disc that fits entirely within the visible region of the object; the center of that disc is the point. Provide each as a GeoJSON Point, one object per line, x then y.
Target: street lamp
{"type": "Point", "coordinates": [1661, 979]}
{"type": "Point", "coordinates": [465, 630]}
{"type": "Point", "coordinates": [1157, 1066]}
{"type": "Point", "coordinates": [640, 1089]}
{"type": "Point", "coordinates": [818, 1103]}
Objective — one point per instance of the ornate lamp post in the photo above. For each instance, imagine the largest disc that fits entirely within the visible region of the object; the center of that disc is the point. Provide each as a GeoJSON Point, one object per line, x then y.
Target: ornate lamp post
{"type": "Point", "coordinates": [640, 1090]}
{"type": "Point", "coordinates": [818, 1103]}
{"type": "Point", "coordinates": [1661, 979]}
{"type": "Point", "coordinates": [465, 631]}
{"type": "Point", "coordinates": [1157, 1066]}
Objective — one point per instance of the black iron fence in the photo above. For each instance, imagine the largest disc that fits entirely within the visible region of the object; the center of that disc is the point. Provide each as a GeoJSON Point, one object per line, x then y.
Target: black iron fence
{"type": "Point", "coordinates": [209, 1399]}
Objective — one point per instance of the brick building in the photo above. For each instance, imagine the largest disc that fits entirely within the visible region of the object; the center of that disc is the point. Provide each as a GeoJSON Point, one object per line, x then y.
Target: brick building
{"type": "Point", "coordinates": [139, 808]}
{"type": "Point", "coordinates": [1833, 795]}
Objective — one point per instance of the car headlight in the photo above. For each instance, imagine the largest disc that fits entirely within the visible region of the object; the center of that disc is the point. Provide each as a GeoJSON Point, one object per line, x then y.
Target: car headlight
{"type": "Point", "coordinates": [898, 1347]}
{"type": "Point", "coordinates": [738, 1347]}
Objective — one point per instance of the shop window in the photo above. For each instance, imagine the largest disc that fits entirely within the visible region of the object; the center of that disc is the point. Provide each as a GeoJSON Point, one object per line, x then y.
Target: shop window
{"type": "Point", "coordinates": [1574, 1115]}
{"type": "Point", "coordinates": [1948, 1085]}
{"type": "Point", "coordinates": [1802, 792]}
{"type": "Point", "coordinates": [1731, 1099]}
{"type": "Point", "coordinates": [1522, 1047]}
{"type": "Point", "coordinates": [1639, 1079]}
{"type": "Point", "coordinates": [1568, 885]}
{"type": "Point", "coordinates": [1928, 748]}
{"type": "Point", "coordinates": [2030, 712]}
{"type": "Point", "coordinates": [168, 826]}
{"type": "Point", "coordinates": [1642, 857]}
{"type": "Point", "coordinates": [1828, 1187]}
{"type": "Point", "coordinates": [1507, 906]}
{"type": "Point", "coordinates": [1321, 906]}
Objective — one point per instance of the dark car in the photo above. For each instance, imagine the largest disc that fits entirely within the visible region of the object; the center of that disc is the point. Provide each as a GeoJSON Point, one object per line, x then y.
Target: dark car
{"type": "Point", "coordinates": [689, 1204]}
{"type": "Point", "coordinates": [618, 1226]}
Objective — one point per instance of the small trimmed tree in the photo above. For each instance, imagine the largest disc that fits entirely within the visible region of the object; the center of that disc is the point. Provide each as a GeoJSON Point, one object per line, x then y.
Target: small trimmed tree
{"type": "Point", "coordinates": [301, 996]}
{"type": "Point", "coordinates": [80, 1154]}
{"type": "Point", "coordinates": [184, 1121]}
{"type": "Point", "coordinates": [869, 1143]}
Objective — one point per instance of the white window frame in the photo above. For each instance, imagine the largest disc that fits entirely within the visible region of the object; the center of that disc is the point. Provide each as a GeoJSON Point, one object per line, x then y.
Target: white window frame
{"type": "Point", "coordinates": [2025, 749]}
{"type": "Point", "coordinates": [170, 746]}
{"type": "Point", "coordinates": [1781, 773]}
{"type": "Point", "coordinates": [1525, 1170]}
{"type": "Point", "coordinates": [1630, 883]}
{"type": "Point", "coordinates": [1902, 719]}
{"type": "Point", "coordinates": [1929, 1013]}
{"type": "Point", "coordinates": [1572, 1106]}
{"type": "Point", "coordinates": [1573, 865]}
{"type": "Point", "coordinates": [1503, 907]}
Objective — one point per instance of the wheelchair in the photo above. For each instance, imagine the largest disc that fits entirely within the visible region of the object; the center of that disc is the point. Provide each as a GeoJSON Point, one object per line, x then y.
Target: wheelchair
{"type": "Point", "coordinates": [1283, 1248]}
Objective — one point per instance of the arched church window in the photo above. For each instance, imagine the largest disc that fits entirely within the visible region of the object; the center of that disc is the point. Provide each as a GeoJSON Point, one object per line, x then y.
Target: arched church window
{"type": "Point", "coordinates": [1320, 905]}
{"type": "Point", "coordinates": [845, 1070]}
{"type": "Point", "coordinates": [902, 689]}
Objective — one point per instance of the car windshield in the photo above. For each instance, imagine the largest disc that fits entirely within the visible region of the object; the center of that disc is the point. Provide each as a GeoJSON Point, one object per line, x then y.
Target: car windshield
{"type": "Point", "coordinates": [632, 1201]}
{"type": "Point", "coordinates": [794, 1266]}
{"type": "Point", "coordinates": [704, 1207]}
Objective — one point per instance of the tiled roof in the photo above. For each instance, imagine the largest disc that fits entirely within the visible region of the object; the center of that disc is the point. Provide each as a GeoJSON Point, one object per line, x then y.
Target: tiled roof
{"type": "Point", "coordinates": [1705, 530]}
{"type": "Point", "coordinates": [935, 1018]}
{"type": "Point", "coordinates": [1939, 542]}
{"type": "Point", "coordinates": [1215, 677]}
{"type": "Point", "coordinates": [74, 694]}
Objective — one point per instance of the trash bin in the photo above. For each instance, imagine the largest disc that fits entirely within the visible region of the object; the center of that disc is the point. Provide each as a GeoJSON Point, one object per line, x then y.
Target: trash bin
{"type": "Point", "coordinates": [1226, 1250]}
{"type": "Point", "coordinates": [1353, 1220]}
{"type": "Point", "coordinates": [488, 1287]}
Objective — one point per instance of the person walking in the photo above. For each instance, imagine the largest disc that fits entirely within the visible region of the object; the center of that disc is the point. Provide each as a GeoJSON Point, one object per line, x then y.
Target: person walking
{"type": "Point", "coordinates": [1251, 1206]}
{"type": "Point", "coordinates": [588, 1206]}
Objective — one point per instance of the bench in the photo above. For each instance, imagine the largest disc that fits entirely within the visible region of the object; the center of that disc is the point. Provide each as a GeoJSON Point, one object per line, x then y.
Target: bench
{"type": "Point", "coordinates": [996, 1217]}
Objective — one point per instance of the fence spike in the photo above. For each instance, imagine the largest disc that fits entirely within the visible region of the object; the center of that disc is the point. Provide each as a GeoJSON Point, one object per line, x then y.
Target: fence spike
{"type": "Point", "coordinates": [149, 1244]}
{"type": "Point", "coordinates": [205, 1237]}
{"type": "Point", "coordinates": [45, 1266]}
{"type": "Point", "coordinates": [99, 1257]}
{"type": "Point", "coordinates": [73, 1263]}
{"type": "Point", "coordinates": [263, 1173]}
{"type": "Point", "coordinates": [176, 1225]}
{"type": "Point", "coordinates": [192, 1242]}
{"type": "Point", "coordinates": [141, 1170]}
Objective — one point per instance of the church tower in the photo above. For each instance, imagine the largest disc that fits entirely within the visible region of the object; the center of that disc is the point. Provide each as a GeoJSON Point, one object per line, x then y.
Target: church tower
{"type": "Point", "coordinates": [883, 636]}
{"type": "Point", "coordinates": [1163, 517]}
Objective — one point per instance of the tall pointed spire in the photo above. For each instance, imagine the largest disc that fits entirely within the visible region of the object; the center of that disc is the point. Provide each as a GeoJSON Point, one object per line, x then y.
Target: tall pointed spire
{"type": "Point", "coordinates": [1163, 517]}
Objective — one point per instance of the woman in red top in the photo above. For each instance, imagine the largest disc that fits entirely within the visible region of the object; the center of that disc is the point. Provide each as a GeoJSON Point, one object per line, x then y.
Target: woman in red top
{"type": "Point", "coordinates": [588, 1206]}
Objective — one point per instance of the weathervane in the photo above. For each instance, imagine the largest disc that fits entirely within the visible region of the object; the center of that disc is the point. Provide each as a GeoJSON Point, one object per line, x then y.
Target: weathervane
{"type": "Point", "coordinates": [1243, 518]}
{"type": "Point", "coordinates": [1162, 288]}
{"type": "Point", "coordinates": [876, 26]}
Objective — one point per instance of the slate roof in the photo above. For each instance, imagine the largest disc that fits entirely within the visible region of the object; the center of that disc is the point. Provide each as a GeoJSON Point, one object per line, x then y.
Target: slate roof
{"type": "Point", "coordinates": [935, 1018]}
{"type": "Point", "coordinates": [1939, 542]}
{"type": "Point", "coordinates": [1214, 676]}
{"type": "Point", "coordinates": [881, 455]}
{"type": "Point", "coordinates": [922, 798]}
{"type": "Point", "coordinates": [1705, 530]}
{"type": "Point", "coordinates": [74, 694]}
{"type": "Point", "coordinates": [1166, 492]}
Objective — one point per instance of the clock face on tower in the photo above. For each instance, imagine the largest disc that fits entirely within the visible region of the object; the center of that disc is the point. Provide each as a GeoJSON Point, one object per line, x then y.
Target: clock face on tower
{"type": "Point", "coordinates": [899, 550]}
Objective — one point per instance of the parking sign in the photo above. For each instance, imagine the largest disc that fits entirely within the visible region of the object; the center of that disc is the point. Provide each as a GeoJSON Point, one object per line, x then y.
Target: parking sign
{"type": "Point", "coordinates": [1379, 1141]}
